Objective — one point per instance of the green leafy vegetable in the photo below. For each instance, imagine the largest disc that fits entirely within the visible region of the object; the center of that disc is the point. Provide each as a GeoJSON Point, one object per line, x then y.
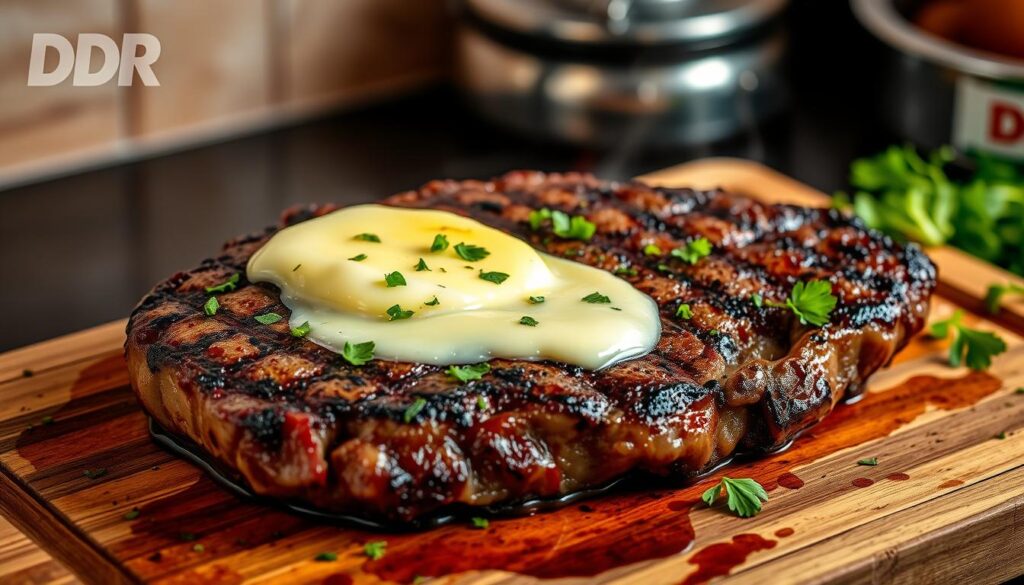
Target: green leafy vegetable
{"type": "Point", "coordinates": [480, 523]}
{"type": "Point", "coordinates": [596, 298]}
{"type": "Point", "coordinates": [211, 306]}
{"type": "Point", "coordinates": [757, 299]}
{"type": "Point", "coordinates": [358, 258]}
{"type": "Point", "coordinates": [375, 549]}
{"type": "Point", "coordinates": [870, 461]}
{"type": "Point", "coordinates": [535, 300]}
{"type": "Point", "coordinates": [395, 313]}
{"type": "Point", "coordinates": [528, 321]}
{"type": "Point", "coordinates": [367, 238]}
{"type": "Point", "coordinates": [131, 514]}
{"type": "Point", "coordinates": [440, 243]}
{"type": "Point", "coordinates": [471, 253]}
{"type": "Point", "coordinates": [575, 227]}
{"type": "Point", "coordinates": [228, 285]}
{"type": "Point", "coordinates": [414, 409]}
{"type": "Point", "coordinates": [495, 277]}
{"type": "Point", "coordinates": [326, 556]}
{"type": "Point", "coordinates": [684, 312]}
{"type": "Point", "coordinates": [971, 346]}
{"type": "Point", "coordinates": [394, 279]}
{"type": "Point", "coordinates": [812, 302]}
{"type": "Point", "coordinates": [997, 291]}
{"type": "Point", "coordinates": [743, 496]}
{"type": "Point", "coordinates": [693, 251]}
{"type": "Point", "coordinates": [470, 372]}
{"type": "Point", "coordinates": [301, 330]}
{"type": "Point", "coordinates": [652, 250]}
{"type": "Point", "coordinates": [359, 353]}
{"type": "Point", "coordinates": [432, 302]}
{"type": "Point", "coordinates": [421, 266]}
{"type": "Point", "coordinates": [1001, 435]}
{"type": "Point", "coordinates": [268, 318]}
{"type": "Point", "coordinates": [482, 403]}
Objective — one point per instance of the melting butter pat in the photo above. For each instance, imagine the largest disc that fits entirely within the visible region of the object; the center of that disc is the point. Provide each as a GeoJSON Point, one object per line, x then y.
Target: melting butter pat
{"type": "Point", "coordinates": [354, 275]}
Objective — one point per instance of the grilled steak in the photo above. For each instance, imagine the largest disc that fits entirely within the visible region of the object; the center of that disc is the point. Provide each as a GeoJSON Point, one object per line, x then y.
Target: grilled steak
{"type": "Point", "coordinates": [298, 423]}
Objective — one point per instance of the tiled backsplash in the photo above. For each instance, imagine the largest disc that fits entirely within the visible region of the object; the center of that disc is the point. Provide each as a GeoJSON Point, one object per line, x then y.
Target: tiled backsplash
{"type": "Point", "coordinates": [225, 66]}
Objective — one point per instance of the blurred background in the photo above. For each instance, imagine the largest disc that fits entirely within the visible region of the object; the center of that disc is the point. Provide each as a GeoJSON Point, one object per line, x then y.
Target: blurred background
{"type": "Point", "coordinates": [265, 103]}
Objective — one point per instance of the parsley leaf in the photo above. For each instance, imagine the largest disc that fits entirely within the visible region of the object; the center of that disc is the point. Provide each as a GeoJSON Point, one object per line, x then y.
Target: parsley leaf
{"type": "Point", "coordinates": [440, 243]}
{"type": "Point", "coordinates": [812, 302]}
{"type": "Point", "coordinates": [495, 277]}
{"type": "Point", "coordinates": [535, 300]}
{"type": "Point", "coordinates": [358, 258]}
{"type": "Point", "coordinates": [367, 238]}
{"type": "Point", "coordinates": [395, 313]}
{"type": "Point", "coordinates": [537, 218]}
{"type": "Point", "coordinates": [693, 251]}
{"type": "Point", "coordinates": [211, 306]}
{"type": "Point", "coordinates": [421, 266]}
{"type": "Point", "coordinates": [375, 549]}
{"type": "Point", "coordinates": [757, 299]}
{"type": "Point", "coordinates": [480, 523]}
{"type": "Point", "coordinates": [228, 285]}
{"type": "Point", "coordinates": [574, 227]}
{"type": "Point", "coordinates": [743, 496]}
{"type": "Point", "coordinates": [268, 318]}
{"type": "Point", "coordinates": [326, 556]}
{"type": "Point", "coordinates": [414, 409]}
{"type": "Point", "coordinates": [301, 330]}
{"type": "Point", "coordinates": [528, 321]}
{"type": "Point", "coordinates": [684, 312]}
{"type": "Point", "coordinates": [433, 302]}
{"type": "Point", "coordinates": [394, 279]}
{"type": "Point", "coordinates": [359, 353]}
{"type": "Point", "coordinates": [470, 372]}
{"type": "Point", "coordinates": [482, 403]}
{"type": "Point", "coordinates": [975, 347]}
{"type": "Point", "coordinates": [131, 514]}
{"type": "Point", "coordinates": [870, 461]}
{"type": "Point", "coordinates": [596, 298]}
{"type": "Point", "coordinates": [652, 250]}
{"type": "Point", "coordinates": [471, 253]}
{"type": "Point", "coordinates": [997, 291]}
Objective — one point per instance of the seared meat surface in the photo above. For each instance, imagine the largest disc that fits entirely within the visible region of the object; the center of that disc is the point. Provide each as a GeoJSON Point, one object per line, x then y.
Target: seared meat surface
{"type": "Point", "coordinates": [298, 422]}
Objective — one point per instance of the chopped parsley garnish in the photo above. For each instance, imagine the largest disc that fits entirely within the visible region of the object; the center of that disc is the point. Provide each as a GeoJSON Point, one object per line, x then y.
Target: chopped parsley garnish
{"type": "Point", "coordinates": [1001, 435]}
{"type": "Point", "coordinates": [367, 238]}
{"type": "Point", "coordinates": [414, 409]}
{"type": "Point", "coordinates": [131, 514]}
{"type": "Point", "coordinates": [743, 496]}
{"type": "Point", "coordinates": [95, 473]}
{"type": "Point", "coordinates": [421, 266]}
{"type": "Point", "coordinates": [528, 321]}
{"type": "Point", "coordinates": [575, 227]}
{"type": "Point", "coordinates": [480, 523]}
{"type": "Point", "coordinates": [395, 313]}
{"type": "Point", "coordinates": [47, 420]}
{"type": "Point", "coordinates": [972, 346]}
{"type": "Point", "coordinates": [870, 461]}
{"type": "Point", "coordinates": [301, 330]}
{"type": "Point", "coordinates": [268, 318]}
{"type": "Point", "coordinates": [757, 299]}
{"type": "Point", "coordinates": [684, 312]}
{"type": "Point", "coordinates": [1019, 391]}
{"type": "Point", "coordinates": [812, 302]}
{"type": "Point", "coordinates": [394, 279]}
{"type": "Point", "coordinates": [326, 557]}
{"type": "Point", "coordinates": [211, 306]}
{"type": "Point", "coordinates": [357, 354]}
{"type": "Point", "coordinates": [596, 298]}
{"type": "Point", "coordinates": [652, 250]}
{"type": "Point", "coordinates": [535, 300]}
{"type": "Point", "coordinates": [693, 251]}
{"type": "Point", "coordinates": [470, 372]}
{"type": "Point", "coordinates": [482, 403]}
{"type": "Point", "coordinates": [471, 253]}
{"type": "Point", "coordinates": [228, 285]}
{"type": "Point", "coordinates": [358, 258]}
{"type": "Point", "coordinates": [997, 291]}
{"type": "Point", "coordinates": [495, 277]}
{"type": "Point", "coordinates": [432, 302]}
{"type": "Point", "coordinates": [297, 266]}
{"type": "Point", "coordinates": [440, 243]}
{"type": "Point", "coordinates": [375, 549]}
{"type": "Point", "coordinates": [625, 271]}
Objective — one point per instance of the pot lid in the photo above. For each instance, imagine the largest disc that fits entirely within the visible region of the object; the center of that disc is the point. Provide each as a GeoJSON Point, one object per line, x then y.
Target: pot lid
{"type": "Point", "coordinates": [636, 22]}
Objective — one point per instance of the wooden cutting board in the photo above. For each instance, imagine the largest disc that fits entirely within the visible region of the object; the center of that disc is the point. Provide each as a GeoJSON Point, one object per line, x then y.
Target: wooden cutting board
{"type": "Point", "coordinates": [80, 475]}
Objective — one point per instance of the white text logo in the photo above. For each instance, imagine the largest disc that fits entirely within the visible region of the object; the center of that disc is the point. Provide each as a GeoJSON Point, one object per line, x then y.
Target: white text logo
{"type": "Point", "coordinates": [123, 61]}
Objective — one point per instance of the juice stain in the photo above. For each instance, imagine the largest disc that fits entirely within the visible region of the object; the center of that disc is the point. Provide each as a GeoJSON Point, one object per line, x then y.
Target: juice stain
{"type": "Point", "coordinates": [862, 482]}
{"type": "Point", "coordinates": [784, 532]}
{"type": "Point", "coordinates": [790, 481]}
{"type": "Point", "coordinates": [897, 477]}
{"type": "Point", "coordinates": [721, 558]}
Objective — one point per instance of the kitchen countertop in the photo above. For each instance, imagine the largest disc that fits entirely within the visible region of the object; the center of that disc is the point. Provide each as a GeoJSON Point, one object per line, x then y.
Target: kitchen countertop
{"type": "Point", "coordinates": [81, 250]}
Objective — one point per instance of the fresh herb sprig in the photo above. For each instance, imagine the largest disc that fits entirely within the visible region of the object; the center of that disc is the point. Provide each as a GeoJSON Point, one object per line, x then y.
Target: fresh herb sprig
{"type": "Point", "coordinates": [996, 292]}
{"type": "Point", "coordinates": [693, 251]}
{"type": "Point", "coordinates": [743, 496]}
{"type": "Point", "coordinates": [813, 302]}
{"type": "Point", "coordinates": [575, 227]}
{"type": "Point", "coordinates": [470, 372]}
{"type": "Point", "coordinates": [973, 347]}
{"type": "Point", "coordinates": [358, 354]}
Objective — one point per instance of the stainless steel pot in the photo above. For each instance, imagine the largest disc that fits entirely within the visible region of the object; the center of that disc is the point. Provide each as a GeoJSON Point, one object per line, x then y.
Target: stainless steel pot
{"type": "Point", "coordinates": [601, 72]}
{"type": "Point", "coordinates": [938, 92]}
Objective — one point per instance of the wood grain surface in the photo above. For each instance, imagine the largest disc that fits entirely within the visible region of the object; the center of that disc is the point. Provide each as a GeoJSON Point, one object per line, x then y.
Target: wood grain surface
{"type": "Point", "coordinates": [81, 476]}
